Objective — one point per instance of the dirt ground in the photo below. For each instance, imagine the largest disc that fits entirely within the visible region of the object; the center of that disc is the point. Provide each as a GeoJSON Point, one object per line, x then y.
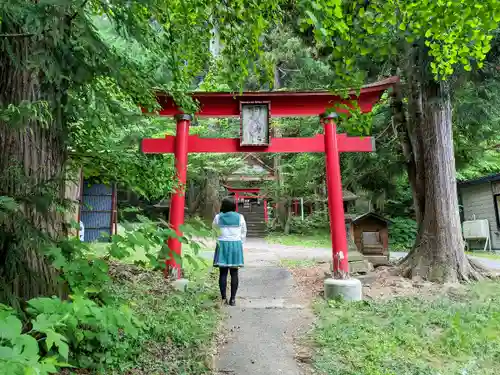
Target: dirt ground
{"type": "Point", "coordinates": [383, 283]}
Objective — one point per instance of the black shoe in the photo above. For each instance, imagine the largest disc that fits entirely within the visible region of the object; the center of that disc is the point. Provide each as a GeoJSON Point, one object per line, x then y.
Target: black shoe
{"type": "Point", "coordinates": [232, 302]}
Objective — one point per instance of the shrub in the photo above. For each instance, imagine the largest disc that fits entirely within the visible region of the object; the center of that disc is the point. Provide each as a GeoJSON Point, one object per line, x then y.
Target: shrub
{"type": "Point", "coordinates": [39, 350]}
{"type": "Point", "coordinates": [90, 329]}
{"type": "Point", "coordinates": [97, 336]}
{"type": "Point", "coordinates": [402, 233]}
{"type": "Point", "coordinates": [317, 221]}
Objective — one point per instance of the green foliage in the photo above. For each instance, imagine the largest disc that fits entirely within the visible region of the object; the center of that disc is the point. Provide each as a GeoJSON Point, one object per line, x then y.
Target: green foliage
{"type": "Point", "coordinates": [89, 330]}
{"type": "Point", "coordinates": [402, 233]}
{"type": "Point", "coordinates": [86, 272]}
{"type": "Point", "coordinates": [476, 123]}
{"type": "Point", "coordinates": [104, 143]}
{"type": "Point", "coordinates": [142, 316]}
{"type": "Point", "coordinates": [92, 336]}
{"type": "Point", "coordinates": [40, 350]}
{"type": "Point", "coordinates": [91, 63]}
{"type": "Point", "coordinates": [319, 239]}
{"type": "Point", "coordinates": [461, 35]}
{"type": "Point", "coordinates": [177, 329]}
{"type": "Point", "coordinates": [318, 221]}
{"type": "Point", "coordinates": [489, 163]}
{"type": "Point", "coordinates": [448, 334]}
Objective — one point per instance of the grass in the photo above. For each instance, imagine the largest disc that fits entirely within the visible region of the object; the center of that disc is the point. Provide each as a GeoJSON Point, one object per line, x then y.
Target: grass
{"type": "Point", "coordinates": [298, 263]}
{"type": "Point", "coordinates": [179, 328]}
{"type": "Point", "coordinates": [322, 240]}
{"type": "Point", "coordinates": [448, 335]}
{"type": "Point", "coordinates": [484, 254]}
{"type": "Point", "coordinates": [312, 240]}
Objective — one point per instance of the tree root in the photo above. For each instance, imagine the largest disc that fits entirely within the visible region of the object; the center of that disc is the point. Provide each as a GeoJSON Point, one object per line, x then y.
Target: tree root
{"type": "Point", "coordinates": [464, 270]}
{"type": "Point", "coordinates": [483, 270]}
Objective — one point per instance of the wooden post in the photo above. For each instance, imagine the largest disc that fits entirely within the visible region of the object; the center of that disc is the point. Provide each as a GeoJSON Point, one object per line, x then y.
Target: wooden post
{"type": "Point", "coordinates": [177, 204]}
{"type": "Point", "coordinates": [335, 200]}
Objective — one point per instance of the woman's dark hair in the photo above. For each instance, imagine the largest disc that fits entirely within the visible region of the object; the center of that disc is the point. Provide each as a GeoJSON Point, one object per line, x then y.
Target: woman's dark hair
{"type": "Point", "coordinates": [228, 204]}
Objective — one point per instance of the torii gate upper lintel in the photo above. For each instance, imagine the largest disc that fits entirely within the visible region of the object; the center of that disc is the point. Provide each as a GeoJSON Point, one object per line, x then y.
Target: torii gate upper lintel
{"type": "Point", "coordinates": [281, 104]}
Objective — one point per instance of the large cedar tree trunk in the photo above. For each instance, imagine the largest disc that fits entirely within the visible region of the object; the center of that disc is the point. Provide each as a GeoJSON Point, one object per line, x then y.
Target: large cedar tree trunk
{"type": "Point", "coordinates": [281, 210]}
{"type": "Point", "coordinates": [31, 157]}
{"type": "Point", "coordinates": [438, 254]}
{"type": "Point", "coordinates": [212, 200]}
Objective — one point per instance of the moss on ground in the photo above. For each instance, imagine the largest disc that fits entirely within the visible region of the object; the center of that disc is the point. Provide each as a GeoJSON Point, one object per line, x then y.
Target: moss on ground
{"type": "Point", "coordinates": [456, 334]}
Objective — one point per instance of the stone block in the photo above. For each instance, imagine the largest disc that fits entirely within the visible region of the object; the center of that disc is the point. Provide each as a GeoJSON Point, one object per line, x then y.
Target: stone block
{"type": "Point", "coordinates": [348, 290]}
{"type": "Point", "coordinates": [355, 256]}
{"type": "Point", "coordinates": [180, 285]}
{"type": "Point", "coordinates": [378, 260]}
{"type": "Point", "coordinates": [360, 267]}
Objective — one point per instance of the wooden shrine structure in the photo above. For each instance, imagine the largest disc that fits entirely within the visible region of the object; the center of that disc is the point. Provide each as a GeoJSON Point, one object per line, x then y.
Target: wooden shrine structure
{"type": "Point", "coordinates": [255, 109]}
{"type": "Point", "coordinates": [370, 233]}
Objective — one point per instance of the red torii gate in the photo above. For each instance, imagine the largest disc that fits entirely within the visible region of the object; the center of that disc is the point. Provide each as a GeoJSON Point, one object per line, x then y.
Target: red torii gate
{"type": "Point", "coordinates": [282, 104]}
{"type": "Point", "coordinates": [240, 193]}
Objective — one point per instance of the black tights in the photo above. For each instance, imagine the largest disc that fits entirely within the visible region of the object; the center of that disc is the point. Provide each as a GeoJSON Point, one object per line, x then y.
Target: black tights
{"type": "Point", "coordinates": [223, 281]}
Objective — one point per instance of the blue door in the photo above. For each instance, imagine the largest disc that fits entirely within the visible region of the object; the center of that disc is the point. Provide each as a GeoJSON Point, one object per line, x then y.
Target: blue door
{"type": "Point", "coordinates": [98, 211]}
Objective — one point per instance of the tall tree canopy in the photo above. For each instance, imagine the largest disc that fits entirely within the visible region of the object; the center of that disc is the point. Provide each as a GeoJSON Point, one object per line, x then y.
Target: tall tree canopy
{"type": "Point", "coordinates": [427, 42]}
{"type": "Point", "coordinates": [72, 74]}
{"type": "Point", "coordinates": [69, 71]}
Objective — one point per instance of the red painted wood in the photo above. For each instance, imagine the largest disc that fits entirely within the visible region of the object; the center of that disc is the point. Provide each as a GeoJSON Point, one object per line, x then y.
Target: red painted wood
{"type": "Point", "coordinates": [282, 103]}
{"type": "Point", "coordinates": [335, 200]}
{"type": "Point", "coordinates": [266, 213]}
{"type": "Point", "coordinates": [177, 202]}
{"type": "Point", "coordinates": [232, 145]}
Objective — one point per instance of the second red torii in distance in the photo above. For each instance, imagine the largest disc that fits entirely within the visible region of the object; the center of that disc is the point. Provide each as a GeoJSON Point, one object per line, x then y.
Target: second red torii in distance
{"type": "Point", "coordinates": [281, 104]}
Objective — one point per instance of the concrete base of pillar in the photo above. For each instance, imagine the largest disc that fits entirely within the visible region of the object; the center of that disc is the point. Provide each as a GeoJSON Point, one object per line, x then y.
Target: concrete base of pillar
{"type": "Point", "coordinates": [348, 290]}
{"type": "Point", "coordinates": [180, 284]}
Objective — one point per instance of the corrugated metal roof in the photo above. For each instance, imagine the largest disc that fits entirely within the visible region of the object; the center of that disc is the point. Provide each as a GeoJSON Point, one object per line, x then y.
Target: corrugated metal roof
{"type": "Point", "coordinates": [480, 180]}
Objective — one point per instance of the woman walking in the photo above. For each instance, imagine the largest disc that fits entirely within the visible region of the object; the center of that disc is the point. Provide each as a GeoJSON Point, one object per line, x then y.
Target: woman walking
{"type": "Point", "coordinates": [229, 250]}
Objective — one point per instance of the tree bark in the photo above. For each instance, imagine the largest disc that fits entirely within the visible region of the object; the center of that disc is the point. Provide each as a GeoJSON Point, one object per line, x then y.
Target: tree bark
{"type": "Point", "coordinates": [288, 220]}
{"type": "Point", "coordinates": [281, 212]}
{"type": "Point", "coordinates": [72, 195]}
{"type": "Point", "coordinates": [32, 156]}
{"type": "Point", "coordinates": [438, 254]}
{"type": "Point", "coordinates": [212, 199]}
{"type": "Point", "coordinates": [195, 198]}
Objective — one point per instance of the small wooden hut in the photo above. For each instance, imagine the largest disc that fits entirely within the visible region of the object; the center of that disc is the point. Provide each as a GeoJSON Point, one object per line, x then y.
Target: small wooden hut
{"type": "Point", "coordinates": [370, 233]}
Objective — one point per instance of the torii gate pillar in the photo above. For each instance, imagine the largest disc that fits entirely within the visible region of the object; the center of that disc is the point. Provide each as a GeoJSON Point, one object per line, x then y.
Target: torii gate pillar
{"type": "Point", "coordinates": [178, 201]}
{"type": "Point", "coordinates": [335, 199]}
